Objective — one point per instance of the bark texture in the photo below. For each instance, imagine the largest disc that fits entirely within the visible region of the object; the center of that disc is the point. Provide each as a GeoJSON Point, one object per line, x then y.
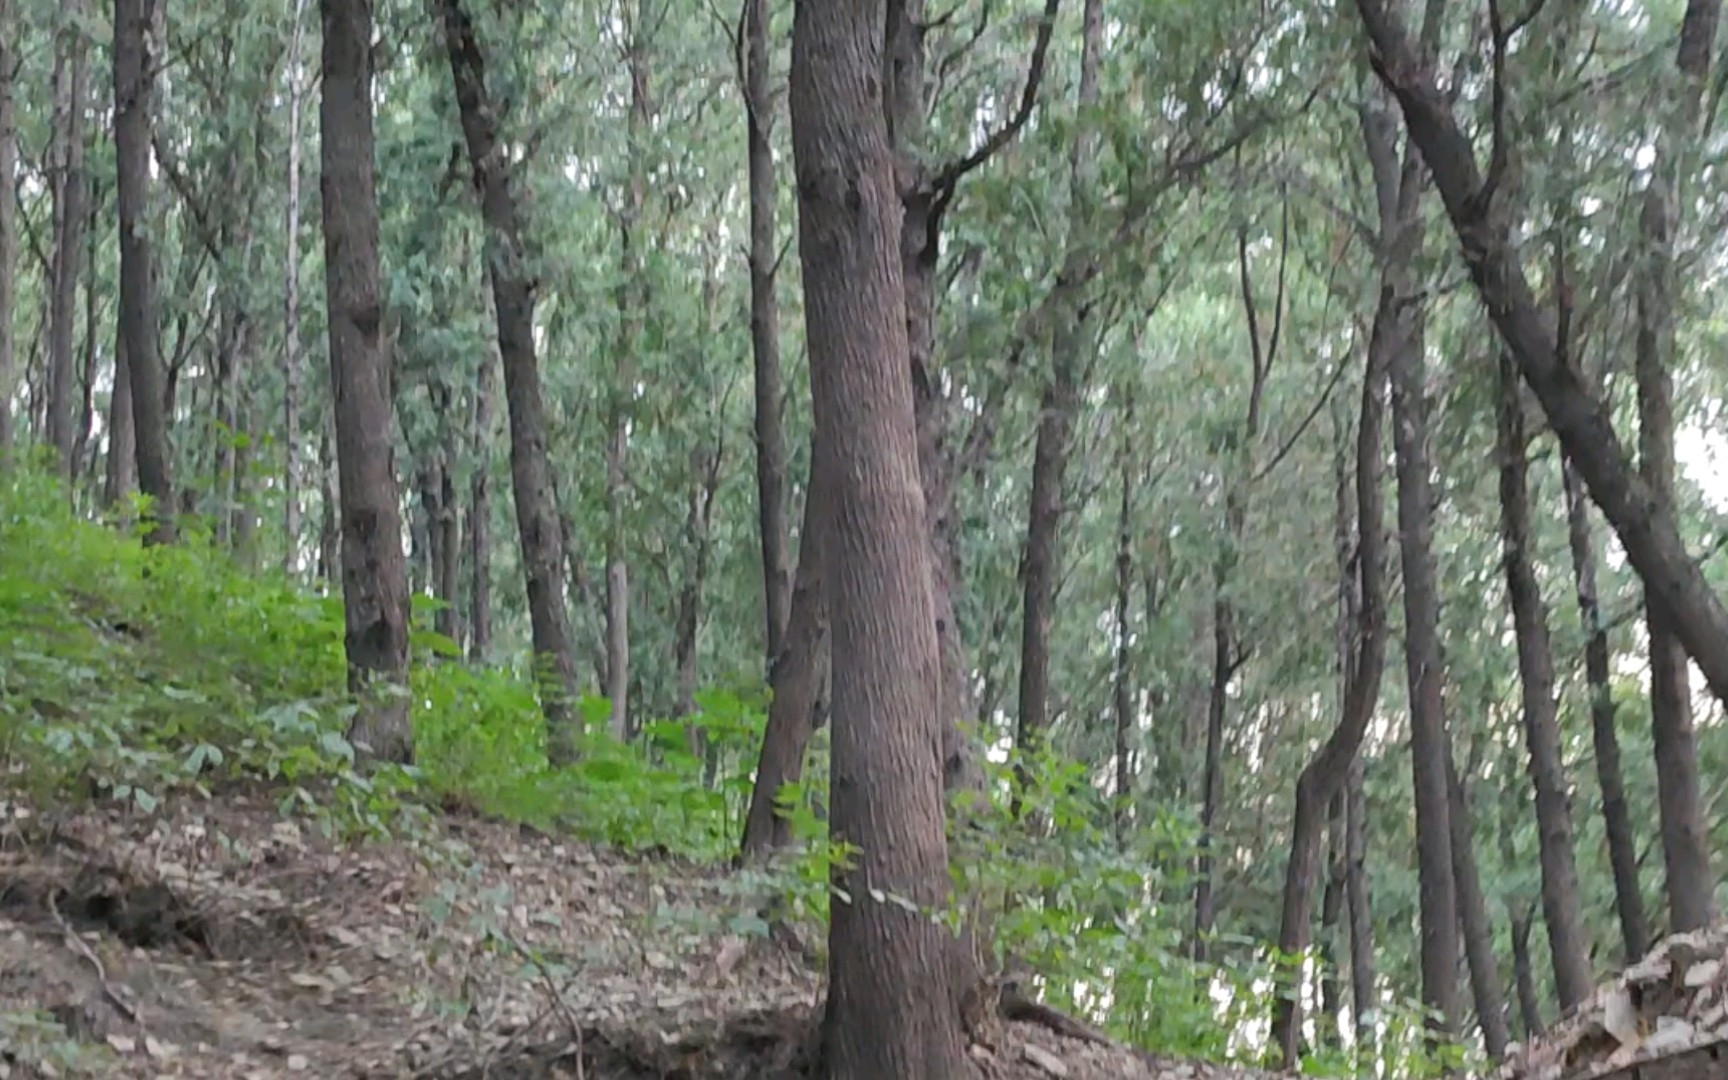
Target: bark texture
{"type": "Point", "coordinates": [374, 573]}
{"type": "Point", "coordinates": [1562, 906]}
{"type": "Point", "coordinates": [892, 1009]}
{"type": "Point", "coordinates": [133, 68]}
{"type": "Point", "coordinates": [542, 542]}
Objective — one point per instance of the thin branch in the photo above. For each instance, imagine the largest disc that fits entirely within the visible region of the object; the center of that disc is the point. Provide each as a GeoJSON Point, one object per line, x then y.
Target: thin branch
{"type": "Point", "coordinates": [952, 174]}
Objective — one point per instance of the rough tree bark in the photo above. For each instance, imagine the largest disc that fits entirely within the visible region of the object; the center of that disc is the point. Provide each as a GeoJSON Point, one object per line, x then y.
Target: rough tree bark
{"type": "Point", "coordinates": [1473, 919]}
{"type": "Point", "coordinates": [1685, 836]}
{"type": "Point", "coordinates": [291, 307]}
{"type": "Point", "coordinates": [1393, 333]}
{"type": "Point", "coordinates": [756, 74]}
{"type": "Point", "coordinates": [892, 1007]}
{"type": "Point", "coordinates": [513, 289]}
{"type": "Point", "coordinates": [1562, 907]}
{"type": "Point", "coordinates": [1058, 410]}
{"type": "Point", "coordinates": [1605, 739]}
{"type": "Point", "coordinates": [133, 73]}
{"type": "Point", "coordinates": [1646, 528]}
{"type": "Point", "coordinates": [70, 188]}
{"type": "Point", "coordinates": [374, 574]}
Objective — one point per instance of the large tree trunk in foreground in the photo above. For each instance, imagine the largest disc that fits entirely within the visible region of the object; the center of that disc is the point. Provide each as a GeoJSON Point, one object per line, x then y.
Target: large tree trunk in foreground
{"type": "Point", "coordinates": [374, 574]}
{"type": "Point", "coordinates": [892, 1006]}
{"type": "Point", "coordinates": [1617, 820]}
{"type": "Point", "coordinates": [765, 329]}
{"type": "Point", "coordinates": [1685, 839]}
{"type": "Point", "coordinates": [133, 71]}
{"type": "Point", "coordinates": [1473, 919]}
{"type": "Point", "coordinates": [1562, 907]}
{"type": "Point", "coordinates": [71, 189]}
{"type": "Point", "coordinates": [120, 473]}
{"type": "Point", "coordinates": [542, 542]}
{"type": "Point", "coordinates": [1647, 528]}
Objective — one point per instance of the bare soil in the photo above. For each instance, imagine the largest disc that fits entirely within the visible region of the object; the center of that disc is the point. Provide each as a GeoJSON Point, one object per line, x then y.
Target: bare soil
{"type": "Point", "coordinates": [218, 939]}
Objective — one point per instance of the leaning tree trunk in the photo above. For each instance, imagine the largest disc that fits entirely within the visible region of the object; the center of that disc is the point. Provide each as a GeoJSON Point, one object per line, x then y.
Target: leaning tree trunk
{"type": "Point", "coordinates": [374, 574]}
{"type": "Point", "coordinates": [795, 677]}
{"type": "Point", "coordinates": [70, 192]}
{"type": "Point", "coordinates": [892, 1004]}
{"type": "Point", "coordinates": [1674, 584]}
{"type": "Point", "coordinates": [1562, 907]}
{"type": "Point", "coordinates": [133, 71]}
{"type": "Point", "coordinates": [1616, 818]}
{"type": "Point", "coordinates": [1473, 918]}
{"type": "Point", "coordinates": [1685, 835]}
{"type": "Point", "coordinates": [530, 470]}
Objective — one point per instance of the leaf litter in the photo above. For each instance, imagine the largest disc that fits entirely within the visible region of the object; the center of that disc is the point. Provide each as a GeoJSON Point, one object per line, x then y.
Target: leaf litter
{"type": "Point", "coordinates": [216, 939]}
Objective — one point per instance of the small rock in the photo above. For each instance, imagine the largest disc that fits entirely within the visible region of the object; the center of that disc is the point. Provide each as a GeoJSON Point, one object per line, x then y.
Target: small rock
{"type": "Point", "coordinates": [1045, 1060]}
{"type": "Point", "coordinates": [297, 1063]}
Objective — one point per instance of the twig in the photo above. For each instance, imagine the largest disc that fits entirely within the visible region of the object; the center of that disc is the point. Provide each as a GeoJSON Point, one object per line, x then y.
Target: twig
{"type": "Point", "coordinates": [82, 948]}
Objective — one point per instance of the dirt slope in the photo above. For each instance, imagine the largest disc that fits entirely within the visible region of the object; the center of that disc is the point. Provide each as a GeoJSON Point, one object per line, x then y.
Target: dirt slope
{"type": "Point", "coordinates": [215, 939]}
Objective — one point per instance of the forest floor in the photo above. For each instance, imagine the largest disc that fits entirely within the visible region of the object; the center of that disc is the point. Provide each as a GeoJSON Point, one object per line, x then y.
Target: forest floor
{"type": "Point", "coordinates": [217, 938]}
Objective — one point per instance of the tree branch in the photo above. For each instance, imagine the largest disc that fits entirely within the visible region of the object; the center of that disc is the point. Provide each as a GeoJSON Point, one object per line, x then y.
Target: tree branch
{"type": "Point", "coordinates": [951, 175]}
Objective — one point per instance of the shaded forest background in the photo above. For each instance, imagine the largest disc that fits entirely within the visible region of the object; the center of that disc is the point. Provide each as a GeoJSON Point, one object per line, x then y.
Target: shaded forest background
{"type": "Point", "coordinates": [1239, 512]}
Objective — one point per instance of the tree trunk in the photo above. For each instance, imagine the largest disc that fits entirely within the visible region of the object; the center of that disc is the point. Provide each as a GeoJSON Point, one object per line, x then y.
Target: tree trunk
{"type": "Point", "coordinates": [1057, 413]}
{"type": "Point", "coordinates": [1646, 528]}
{"type": "Point", "coordinates": [133, 73]}
{"type": "Point", "coordinates": [632, 305]}
{"type": "Point", "coordinates": [291, 310]}
{"type": "Point", "coordinates": [1331, 910]}
{"type": "Point", "coordinates": [374, 576]}
{"type": "Point", "coordinates": [1394, 333]}
{"type": "Point", "coordinates": [1122, 691]}
{"type": "Point", "coordinates": [71, 188]}
{"type": "Point", "coordinates": [1364, 1007]}
{"type": "Point", "coordinates": [1562, 907]}
{"type": "Point", "coordinates": [1478, 929]}
{"type": "Point", "coordinates": [795, 677]}
{"type": "Point", "coordinates": [9, 269]}
{"type": "Point", "coordinates": [1685, 836]}
{"type": "Point", "coordinates": [892, 1004]}
{"type": "Point", "coordinates": [765, 327]}
{"type": "Point", "coordinates": [1617, 820]}
{"type": "Point", "coordinates": [1524, 976]}
{"type": "Point", "coordinates": [687, 623]}
{"type": "Point", "coordinates": [329, 529]}
{"type": "Point", "coordinates": [87, 379]}
{"type": "Point", "coordinates": [120, 477]}
{"type": "Point", "coordinates": [530, 471]}
{"type": "Point", "coordinates": [480, 509]}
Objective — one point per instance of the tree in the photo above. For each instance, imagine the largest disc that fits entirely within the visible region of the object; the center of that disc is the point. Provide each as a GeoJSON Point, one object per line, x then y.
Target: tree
{"type": "Point", "coordinates": [513, 299]}
{"type": "Point", "coordinates": [892, 1007]}
{"type": "Point", "coordinates": [1561, 905]}
{"type": "Point", "coordinates": [9, 66]}
{"type": "Point", "coordinates": [133, 74]}
{"type": "Point", "coordinates": [71, 189]}
{"type": "Point", "coordinates": [1685, 839]}
{"type": "Point", "coordinates": [374, 574]}
{"type": "Point", "coordinates": [291, 364]}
